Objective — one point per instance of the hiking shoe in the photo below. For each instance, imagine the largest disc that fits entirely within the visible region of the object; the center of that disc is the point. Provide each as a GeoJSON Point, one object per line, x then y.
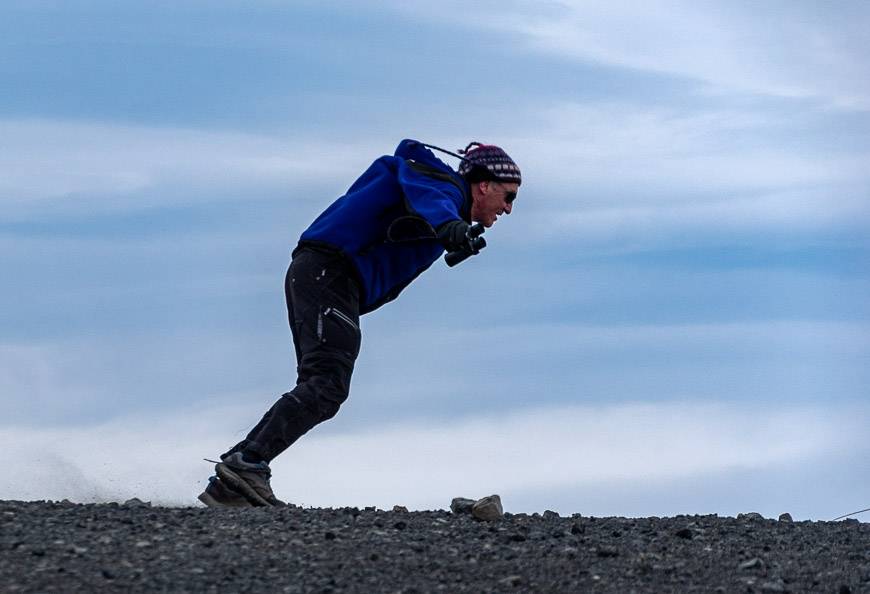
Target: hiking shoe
{"type": "Point", "coordinates": [248, 478]}
{"type": "Point", "coordinates": [218, 494]}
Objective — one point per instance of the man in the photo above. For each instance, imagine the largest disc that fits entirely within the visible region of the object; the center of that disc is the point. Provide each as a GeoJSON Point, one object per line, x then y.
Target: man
{"type": "Point", "coordinates": [392, 224]}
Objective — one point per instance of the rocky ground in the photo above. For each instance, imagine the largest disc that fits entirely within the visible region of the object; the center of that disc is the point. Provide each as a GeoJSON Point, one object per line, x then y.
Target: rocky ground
{"type": "Point", "coordinates": [64, 547]}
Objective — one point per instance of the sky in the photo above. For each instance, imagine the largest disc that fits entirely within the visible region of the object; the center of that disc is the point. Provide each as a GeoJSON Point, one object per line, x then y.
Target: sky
{"type": "Point", "coordinates": [673, 320]}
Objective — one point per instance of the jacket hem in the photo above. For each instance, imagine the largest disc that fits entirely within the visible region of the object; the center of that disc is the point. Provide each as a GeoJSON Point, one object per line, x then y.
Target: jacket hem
{"type": "Point", "coordinates": [325, 247]}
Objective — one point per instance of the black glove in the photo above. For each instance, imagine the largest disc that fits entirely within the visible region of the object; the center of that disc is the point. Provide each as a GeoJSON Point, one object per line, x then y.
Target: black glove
{"type": "Point", "coordinates": [453, 235]}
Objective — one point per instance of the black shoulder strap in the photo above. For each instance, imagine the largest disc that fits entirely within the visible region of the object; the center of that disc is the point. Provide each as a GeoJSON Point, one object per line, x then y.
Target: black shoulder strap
{"type": "Point", "coordinates": [430, 171]}
{"type": "Point", "coordinates": [434, 172]}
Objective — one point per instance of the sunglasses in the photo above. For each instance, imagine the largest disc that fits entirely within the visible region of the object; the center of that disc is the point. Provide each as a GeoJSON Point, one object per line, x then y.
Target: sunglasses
{"type": "Point", "coordinates": [509, 197]}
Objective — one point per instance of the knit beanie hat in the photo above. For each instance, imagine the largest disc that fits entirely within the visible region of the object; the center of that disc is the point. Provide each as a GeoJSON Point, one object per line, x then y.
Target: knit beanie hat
{"type": "Point", "coordinates": [491, 158]}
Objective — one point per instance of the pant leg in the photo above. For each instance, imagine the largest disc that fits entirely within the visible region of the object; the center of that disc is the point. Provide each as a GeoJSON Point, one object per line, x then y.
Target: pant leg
{"type": "Point", "coordinates": [323, 311]}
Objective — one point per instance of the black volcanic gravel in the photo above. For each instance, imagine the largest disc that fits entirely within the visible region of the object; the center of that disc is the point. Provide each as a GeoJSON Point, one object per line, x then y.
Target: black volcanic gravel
{"type": "Point", "coordinates": [64, 547]}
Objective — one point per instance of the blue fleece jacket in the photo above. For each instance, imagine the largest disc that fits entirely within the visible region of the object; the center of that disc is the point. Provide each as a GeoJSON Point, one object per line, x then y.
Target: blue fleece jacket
{"type": "Point", "coordinates": [386, 224]}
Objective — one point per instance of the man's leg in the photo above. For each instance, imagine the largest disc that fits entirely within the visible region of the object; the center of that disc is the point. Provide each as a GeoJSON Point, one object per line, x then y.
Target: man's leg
{"type": "Point", "coordinates": [323, 310]}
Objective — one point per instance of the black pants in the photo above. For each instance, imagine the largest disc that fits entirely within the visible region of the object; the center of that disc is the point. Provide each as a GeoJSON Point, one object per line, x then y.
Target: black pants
{"type": "Point", "coordinates": [323, 307]}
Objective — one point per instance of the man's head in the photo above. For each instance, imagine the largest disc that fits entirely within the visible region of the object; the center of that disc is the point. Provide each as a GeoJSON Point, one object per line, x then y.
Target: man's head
{"type": "Point", "coordinates": [494, 179]}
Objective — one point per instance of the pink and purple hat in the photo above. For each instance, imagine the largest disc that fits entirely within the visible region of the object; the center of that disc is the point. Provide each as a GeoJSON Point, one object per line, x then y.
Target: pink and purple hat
{"type": "Point", "coordinates": [492, 158]}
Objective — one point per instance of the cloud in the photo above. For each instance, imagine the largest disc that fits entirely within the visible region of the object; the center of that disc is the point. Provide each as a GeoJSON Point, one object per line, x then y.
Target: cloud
{"type": "Point", "coordinates": [782, 49]}
{"type": "Point", "coordinates": [74, 166]}
{"type": "Point", "coordinates": [423, 464]}
{"type": "Point", "coordinates": [595, 170]}
{"type": "Point", "coordinates": [73, 380]}
{"type": "Point", "coordinates": [792, 211]}
{"type": "Point", "coordinates": [705, 151]}
{"type": "Point", "coordinates": [69, 381]}
{"type": "Point", "coordinates": [601, 171]}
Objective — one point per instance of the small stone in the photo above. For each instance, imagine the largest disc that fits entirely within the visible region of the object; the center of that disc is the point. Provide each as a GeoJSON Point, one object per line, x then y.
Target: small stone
{"type": "Point", "coordinates": [107, 574]}
{"type": "Point", "coordinates": [750, 516]}
{"type": "Point", "coordinates": [401, 509]}
{"type": "Point", "coordinates": [462, 505]}
{"type": "Point", "coordinates": [78, 550]}
{"type": "Point", "coordinates": [685, 533]}
{"type": "Point", "coordinates": [488, 508]}
{"type": "Point", "coordinates": [577, 528]}
{"type": "Point", "coordinates": [786, 517]}
{"type": "Point", "coordinates": [329, 536]}
{"type": "Point", "coordinates": [511, 580]}
{"type": "Point", "coordinates": [143, 543]}
{"type": "Point", "coordinates": [400, 525]}
{"type": "Point", "coordinates": [606, 552]}
{"type": "Point", "coordinates": [551, 515]}
{"type": "Point", "coordinates": [777, 586]}
{"type": "Point", "coordinates": [753, 563]}
{"type": "Point", "coordinates": [136, 502]}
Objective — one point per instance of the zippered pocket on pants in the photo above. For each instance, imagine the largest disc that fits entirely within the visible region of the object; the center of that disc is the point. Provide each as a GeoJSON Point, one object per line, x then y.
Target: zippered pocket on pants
{"type": "Point", "coordinates": [341, 316]}
{"type": "Point", "coordinates": [338, 330]}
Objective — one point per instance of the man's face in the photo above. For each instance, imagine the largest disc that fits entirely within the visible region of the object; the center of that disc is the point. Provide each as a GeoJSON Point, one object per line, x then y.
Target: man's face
{"type": "Point", "coordinates": [492, 199]}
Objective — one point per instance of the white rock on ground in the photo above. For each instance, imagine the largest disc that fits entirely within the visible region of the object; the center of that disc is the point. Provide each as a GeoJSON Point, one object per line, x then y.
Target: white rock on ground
{"type": "Point", "coordinates": [488, 508]}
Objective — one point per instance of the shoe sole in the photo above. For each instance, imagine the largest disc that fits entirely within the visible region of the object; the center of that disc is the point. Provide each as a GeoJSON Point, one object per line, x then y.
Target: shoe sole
{"type": "Point", "coordinates": [240, 485]}
{"type": "Point", "coordinates": [212, 502]}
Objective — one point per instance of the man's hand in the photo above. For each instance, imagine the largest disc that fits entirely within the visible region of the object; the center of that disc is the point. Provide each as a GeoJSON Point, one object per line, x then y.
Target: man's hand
{"type": "Point", "coordinates": [453, 235]}
{"type": "Point", "coordinates": [461, 240]}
